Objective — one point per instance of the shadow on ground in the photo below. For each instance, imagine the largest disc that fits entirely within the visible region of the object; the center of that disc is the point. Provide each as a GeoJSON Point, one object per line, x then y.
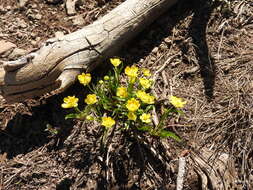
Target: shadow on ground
{"type": "Point", "coordinates": [27, 132]}
{"type": "Point", "coordinates": [201, 14]}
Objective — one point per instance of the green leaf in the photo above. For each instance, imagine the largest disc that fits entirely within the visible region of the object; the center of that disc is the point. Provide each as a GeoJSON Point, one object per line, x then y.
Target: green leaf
{"type": "Point", "coordinates": [164, 116]}
{"type": "Point", "coordinates": [75, 116]}
{"type": "Point", "coordinates": [119, 99]}
{"type": "Point", "coordinates": [148, 108]}
{"type": "Point", "coordinates": [140, 111]}
{"type": "Point", "coordinates": [165, 134]}
{"type": "Point", "coordinates": [51, 129]}
{"type": "Point", "coordinates": [180, 112]}
{"type": "Point", "coordinates": [71, 116]}
{"type": "Point", "coordinates": [145, 128]}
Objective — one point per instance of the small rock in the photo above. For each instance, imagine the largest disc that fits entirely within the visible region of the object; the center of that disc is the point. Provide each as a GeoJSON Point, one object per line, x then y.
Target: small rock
{"type": "Point", "coordinates": [33, 42]}
{"type": "Point", "coordinates": [6, 46]}
{"type": "Point", "coordinates": [70, 6]}
{"type": "Point", "coordinates": [2, 9]}
{"type": "Point", "coordinates": [8, 8]}
{"type": "Point", "coordinates": [33, 35]}
{"type": "Point", "coordinates": [21, 23]}
{"type": "Point", "coordinates": [20, 35]}
{"type": "Point", "coordinates": [34, 6]}
{"type": "Point", "coordinates": [78, 20]}
{"type": "Point", "coordinates": [22, 3]}
{"type": "Point", "coordinates": [32, 15]}
{"type": "Point", "coordinates": [17, 53]}
{"type": "Point", "coordinates": [37, 39]}
{"type": "Point", "coordinates": [38, 16]}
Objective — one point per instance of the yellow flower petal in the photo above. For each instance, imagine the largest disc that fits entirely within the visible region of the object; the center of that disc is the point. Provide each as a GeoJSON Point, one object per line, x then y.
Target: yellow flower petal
{"type": "Point", "coordinates": [131, 72]}
{"type": "Point", "coordinates": [121, 92]}
{"type": "Point", "coordinates": [145, 97]}
{"type": "Point", "coordinates": [108, 122]}
{"type": "Point", "coordinates": [132, 80]}
{"type": "Point", "coordinates": [140, 94]}
{"type": "Point", "coordinates": [115, 61]}
{"type": "Point", "coordinates": [177, 102]}
{"type": "Point", "coordinates": [132, 105]}
{"type": "Point", "coordinates": [131, 116]}
{"type": "Point", "coordinates": [91, 99]}
{"type": "Point", "coordinates": [146, 72]}
{"type": "Point", "coordinates": [70, 102]}
{"type": "Point", "coordinates": [145, 118]}
{"type": "Point", "coordinates": [145, 83]}
{"type": "Point", "coordinates": [84, 78]}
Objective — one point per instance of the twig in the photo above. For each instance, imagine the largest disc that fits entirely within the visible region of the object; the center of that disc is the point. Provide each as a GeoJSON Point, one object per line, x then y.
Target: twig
{"type": "Point", "coordinates": [181, 173]}
{"type": "Point", "coordinates": [163, 67]}
{"type": "Point", "coordinates": [221, 40]}
{"type": "Point", "coordinates": [155, 117]}
{"type": "Point", "coordinates": [11, 178]}
{"type": "Point", "coordinates": [107, 162]}
{"type": "Point", "coordinates": [109, 138]}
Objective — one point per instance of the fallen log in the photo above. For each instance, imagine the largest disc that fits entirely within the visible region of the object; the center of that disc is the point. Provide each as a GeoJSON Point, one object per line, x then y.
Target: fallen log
{"type": "Point", "coordinates": [57, 63]}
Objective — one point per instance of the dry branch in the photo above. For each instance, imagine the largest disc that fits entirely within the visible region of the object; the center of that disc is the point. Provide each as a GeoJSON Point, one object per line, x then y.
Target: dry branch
{"type": "Point", "coordinates": [57, 63]}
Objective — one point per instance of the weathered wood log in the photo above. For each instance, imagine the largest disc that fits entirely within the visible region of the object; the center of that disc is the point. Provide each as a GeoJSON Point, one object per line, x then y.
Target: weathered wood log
{"type": "Point", "coordinates": [57, 63]}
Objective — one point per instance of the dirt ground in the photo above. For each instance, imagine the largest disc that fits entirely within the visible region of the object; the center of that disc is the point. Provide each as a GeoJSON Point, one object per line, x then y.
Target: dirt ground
{"type": "Point", "coordinates": [206, 51]}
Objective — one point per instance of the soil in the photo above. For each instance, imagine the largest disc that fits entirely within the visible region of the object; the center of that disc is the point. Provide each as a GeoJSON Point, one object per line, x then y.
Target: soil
{"type": "Point", "coordinates": [204, 51]}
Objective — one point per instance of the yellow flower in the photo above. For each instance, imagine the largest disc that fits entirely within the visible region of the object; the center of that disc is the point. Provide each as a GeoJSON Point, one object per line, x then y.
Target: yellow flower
{"type": "Point", "coordinates": [131, 72]}
{"type": "Point", "coordinates": [108, 122]}
{"type": "Point", "coordinates": [100, 81]}
{"type": "Point", "coordinates": [145, 83]}
{"type": "Point", "coordinates": [84, 78]}
{"type": "Point", "coordinates": [106, 77]}
{"type": "Point", "coordinates": [146, 72]}
{"type": "Point", "coordinates": [140, 93]}
{"type": "Point", "coordinates": [89, 117]}
{"type": "Point", "coordinates": [145, 118]}
{"type": "Point", "coordinates": [91, 99]}
{"type": "Point", "coordinates": [132, 80]}
{"type": "Point", "coordinates": [149, 99]}
{"type": "Point", "coordinates": [177, 102]}
{"type": "Point", "coordinates": [145, 97]}
{"type": "Point", "coordinates": [115, 61]}
{"type": "Point", "coordinates": [131, 116]}
{"type": "Point", "coordinates": [121, 92]}
{"type": "Point", "coordinates": [70, 102]}
{"type": "Point", "coordinates": [132, 105]}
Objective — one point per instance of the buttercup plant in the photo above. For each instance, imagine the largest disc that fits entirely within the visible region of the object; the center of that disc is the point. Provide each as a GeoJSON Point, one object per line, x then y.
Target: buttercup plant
{"type": "Point", "coordinates": [127, 104]}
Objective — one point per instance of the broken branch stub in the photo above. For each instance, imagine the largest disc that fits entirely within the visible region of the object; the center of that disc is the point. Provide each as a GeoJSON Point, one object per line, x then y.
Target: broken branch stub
{"type": "Point", "coordinates": [57, 63]}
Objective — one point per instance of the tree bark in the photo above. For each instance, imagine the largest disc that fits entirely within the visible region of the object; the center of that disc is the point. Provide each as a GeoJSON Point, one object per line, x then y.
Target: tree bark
{"type": "Point", "coordinates": [57, 63]}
